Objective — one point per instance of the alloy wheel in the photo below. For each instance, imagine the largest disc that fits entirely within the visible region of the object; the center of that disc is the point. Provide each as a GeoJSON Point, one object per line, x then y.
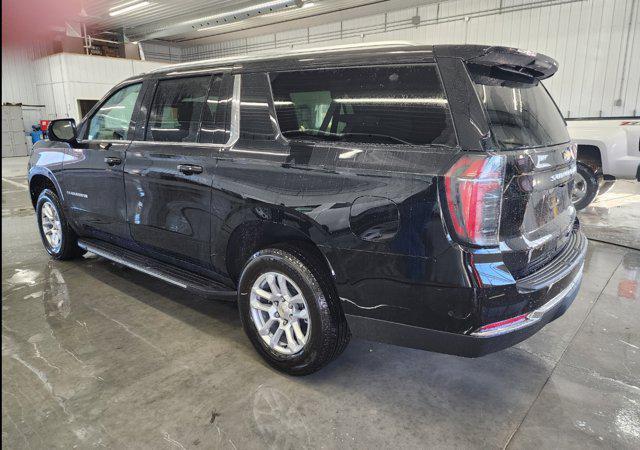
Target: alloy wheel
{"type": "Point", "coordinates": [579, 188]}
{"type": "Point", "coordinates": [51, 227]}
{"type": "Point", "coordinates": [280, 313]}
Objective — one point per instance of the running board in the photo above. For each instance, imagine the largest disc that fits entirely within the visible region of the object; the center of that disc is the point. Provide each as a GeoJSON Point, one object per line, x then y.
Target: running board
{"type": "Point", "coordinates": [178, 277]}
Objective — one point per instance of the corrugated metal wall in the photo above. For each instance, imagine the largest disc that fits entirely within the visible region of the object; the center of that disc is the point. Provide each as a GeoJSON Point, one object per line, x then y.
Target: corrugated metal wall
{"type": "Point", "coordinates": [596, 42]}
{"type": "Point", "coordinates": [18, 76]}
{"type": "Point", "coordinates": [154, 51]}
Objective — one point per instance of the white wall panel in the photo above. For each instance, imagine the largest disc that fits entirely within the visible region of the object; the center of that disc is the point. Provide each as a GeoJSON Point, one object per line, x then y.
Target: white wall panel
{"type": "Point", "coordinates": [18, 76]}
{"type": "Point", "coordinates": [596, 42]}
{"type": "Point", "coordinates": [65, 78]}
{"type": "Point", "coordinates": [292, 38]}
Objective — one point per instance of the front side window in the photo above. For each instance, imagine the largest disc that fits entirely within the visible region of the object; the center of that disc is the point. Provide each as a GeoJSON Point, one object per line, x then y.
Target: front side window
{"type": "Point", "coordinates": [113, 119]}
{"type": "Point", "coordinates": [521, 114]}
{"type": "Point", "coordinates": [403, 105]}
{"type": "Point", "coordinates": [176, 109]}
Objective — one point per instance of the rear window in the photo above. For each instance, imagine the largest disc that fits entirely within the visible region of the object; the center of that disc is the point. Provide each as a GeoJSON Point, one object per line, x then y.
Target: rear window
{"type": "Point", "coordinates": [521, 114]}
{"type": "Point", "coordinates": [403, 105]}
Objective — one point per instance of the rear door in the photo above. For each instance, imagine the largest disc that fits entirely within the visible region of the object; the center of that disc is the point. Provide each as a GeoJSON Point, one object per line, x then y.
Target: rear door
{"type": "Point", "coordinates": [169, 169]}
{"type": "Point", "coordinates": [92, 177]}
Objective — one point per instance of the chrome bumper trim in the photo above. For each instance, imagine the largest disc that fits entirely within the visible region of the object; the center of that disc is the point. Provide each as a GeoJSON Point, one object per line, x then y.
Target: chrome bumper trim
{"type": "Point", "coordinates": [535, 315]}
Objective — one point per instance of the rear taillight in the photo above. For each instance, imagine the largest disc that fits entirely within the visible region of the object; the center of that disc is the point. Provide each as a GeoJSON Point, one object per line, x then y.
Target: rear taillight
{"type": "Point", "coordinates": [473, 189]}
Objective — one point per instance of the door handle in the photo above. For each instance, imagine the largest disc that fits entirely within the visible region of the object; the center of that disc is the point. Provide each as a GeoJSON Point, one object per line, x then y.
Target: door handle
{"type": "Point", "coordinates": [113, 160]}
{"type": "Point", "coordinates": [105, 145]}
{"type": "Point", "coordinates": [189, 169]}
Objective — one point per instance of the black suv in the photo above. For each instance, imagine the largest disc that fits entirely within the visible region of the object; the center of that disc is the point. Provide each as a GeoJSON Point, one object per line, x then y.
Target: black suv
{"type": "Point", "coordinates": [416, 195]}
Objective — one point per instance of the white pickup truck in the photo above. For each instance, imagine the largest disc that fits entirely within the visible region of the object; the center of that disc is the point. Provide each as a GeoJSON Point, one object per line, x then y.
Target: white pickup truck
{"type": "Point", "coordinates": [608, 149]}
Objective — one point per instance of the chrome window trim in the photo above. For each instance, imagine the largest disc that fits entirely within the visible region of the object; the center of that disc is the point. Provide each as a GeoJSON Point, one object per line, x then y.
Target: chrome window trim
{"type": "Point", "coordinates": [234, 127]}
{"type": "Point", "coordinates": [108, 141]}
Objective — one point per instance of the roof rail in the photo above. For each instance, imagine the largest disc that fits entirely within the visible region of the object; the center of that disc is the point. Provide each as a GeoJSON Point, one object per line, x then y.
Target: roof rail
{"type": "Point", "coordinates": [285, 53]}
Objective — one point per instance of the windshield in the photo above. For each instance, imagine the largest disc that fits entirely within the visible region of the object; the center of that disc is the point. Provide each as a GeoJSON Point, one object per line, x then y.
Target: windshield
{"type": "Point", "coordinates": [521, 114]}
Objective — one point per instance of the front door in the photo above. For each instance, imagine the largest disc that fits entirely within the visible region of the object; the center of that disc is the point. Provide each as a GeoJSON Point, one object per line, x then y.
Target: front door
{"type": "Point", "coordinates": [169, 171]}
{"type": "Point", "coordinates": [92, 179]}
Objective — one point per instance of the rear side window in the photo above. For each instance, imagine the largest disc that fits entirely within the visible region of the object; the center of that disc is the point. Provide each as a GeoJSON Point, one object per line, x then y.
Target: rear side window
{"type": "Point", "coordinates": [521, 114]}
{"type": "Point", "coordinates": [176, 109]}
{"type": "Point", "coordinates": [381, 105]}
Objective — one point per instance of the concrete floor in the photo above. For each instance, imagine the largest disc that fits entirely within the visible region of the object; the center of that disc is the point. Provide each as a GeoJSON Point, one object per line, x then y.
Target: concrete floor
{"type": "Point", "coordinates": [97, 355]}
{"type": "Point", "coordinates": [615, 216]}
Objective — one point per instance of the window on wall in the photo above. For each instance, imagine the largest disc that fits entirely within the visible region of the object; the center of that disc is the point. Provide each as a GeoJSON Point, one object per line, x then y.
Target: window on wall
{"type": "Point", "coordinates": [403, 105]}
{"type": "Point", "coordinates": [113, 119]}
{"type": "Point", "coordinates": [212, 130]}
{"type": "Point", "coordinates": [177, 108]}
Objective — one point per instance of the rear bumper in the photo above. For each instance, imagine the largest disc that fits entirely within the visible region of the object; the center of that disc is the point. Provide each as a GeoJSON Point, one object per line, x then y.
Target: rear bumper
{"type": "Point", "coordinates": [468, 345]}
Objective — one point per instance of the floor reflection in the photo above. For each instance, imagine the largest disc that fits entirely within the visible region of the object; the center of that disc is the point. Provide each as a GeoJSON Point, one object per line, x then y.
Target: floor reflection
{"type": "Point", "coordinates": [615, 216]}
{"type": "Point", "coordinates": [279, 422]}
{"type": "Point", "coordinates": [628, 285]}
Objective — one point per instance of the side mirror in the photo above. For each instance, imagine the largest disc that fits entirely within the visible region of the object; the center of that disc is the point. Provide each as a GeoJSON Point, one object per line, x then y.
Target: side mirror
{"type": "Point", "coordinates": [62, 130]}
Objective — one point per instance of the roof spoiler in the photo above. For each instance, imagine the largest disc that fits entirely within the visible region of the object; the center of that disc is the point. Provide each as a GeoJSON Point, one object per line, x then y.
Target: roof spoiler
{"type": "Point", "coordinates": [509, 59]}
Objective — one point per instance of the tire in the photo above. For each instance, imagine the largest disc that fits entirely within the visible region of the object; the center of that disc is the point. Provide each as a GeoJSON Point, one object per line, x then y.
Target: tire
{"type": "Point", "coordinates": [586, 185]}
{"type": "Point", "coordinates": [326, 327]}
{"type": "Point", "coordinates": [65, 246]}
{"type": "Point", "coordinates": [605, 187]}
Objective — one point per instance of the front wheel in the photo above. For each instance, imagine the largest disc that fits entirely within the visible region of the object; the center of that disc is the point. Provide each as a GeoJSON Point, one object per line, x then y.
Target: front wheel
{"type": "Point", "coordinates": [59, 239]}
{"type": "Point", "coordinates": [585, 186]}
{"type": "Point", "coordinates": [290, 311]}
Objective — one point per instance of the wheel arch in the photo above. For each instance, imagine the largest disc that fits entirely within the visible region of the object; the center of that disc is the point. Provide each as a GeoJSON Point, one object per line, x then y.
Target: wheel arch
{"type": "Point", "coordinates": [41, 178]}
{"type": "Point", "coordinates": [591, 156]}
{"type": "Point", "coordinates": [251, 236]}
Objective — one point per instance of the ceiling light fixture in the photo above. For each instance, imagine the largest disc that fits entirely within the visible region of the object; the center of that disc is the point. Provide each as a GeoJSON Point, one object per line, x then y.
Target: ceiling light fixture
{"type": "Point", "coordinates": [122, 5]}
{"type": "Point", "coordinates": [126, 9]}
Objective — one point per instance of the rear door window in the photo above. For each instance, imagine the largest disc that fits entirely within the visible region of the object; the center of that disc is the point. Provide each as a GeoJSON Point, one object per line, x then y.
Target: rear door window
{"type": "Point", "coordinates": [400, 105]}
{"type": "Point", "coordinates": [521, 114]}
{"type": "Point", "coordinates": [213, 130]}
{"type": "Point", "coordinates": [176, 109]}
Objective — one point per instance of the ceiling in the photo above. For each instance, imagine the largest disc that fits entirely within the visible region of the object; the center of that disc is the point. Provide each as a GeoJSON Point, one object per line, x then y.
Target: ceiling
{"type": "Point", "coordinates": [179, 21]}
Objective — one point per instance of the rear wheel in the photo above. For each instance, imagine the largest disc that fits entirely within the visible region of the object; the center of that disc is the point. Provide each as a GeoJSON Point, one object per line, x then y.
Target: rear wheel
{"type": "Point", "coordinates": [58, 237]}
{"type": "Point", "coordinates": [290, 310]}
{"type": "Point", "coordinates": [585, 186]}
